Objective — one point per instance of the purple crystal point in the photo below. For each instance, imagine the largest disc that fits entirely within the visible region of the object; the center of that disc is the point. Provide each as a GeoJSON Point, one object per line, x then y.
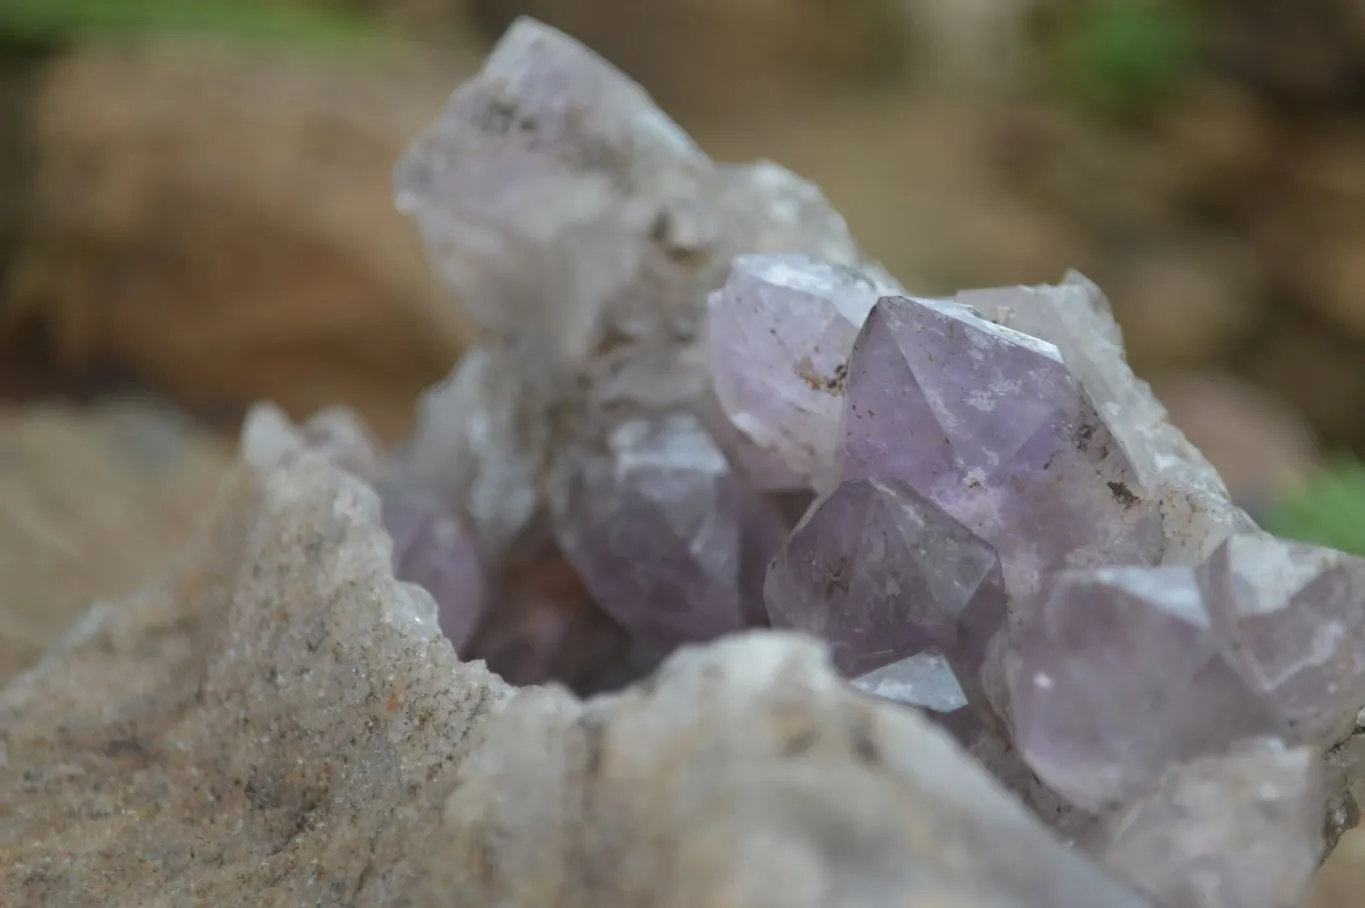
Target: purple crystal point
{"type": "Point", "coordinates": [436, 552]}
{"type": "Point", "coordinates": [1292, 617]}
{"type": "Point", "coordinates": [780, 333]}
{"type": "Point", "coordinates": [667, 539]}
{"type": "Point", "coordinates": [926, 681]}
{"type": "Point", "coordinates": [990, 425]}
{"type": "Point", "coordinates": [1243, 830]}
{"type": "Point", "coordinates": [1117, 675]}
{"type": "Point", "coordinates": [1074, 315]}
{"type": "Point", "coordinates": [883, 574]}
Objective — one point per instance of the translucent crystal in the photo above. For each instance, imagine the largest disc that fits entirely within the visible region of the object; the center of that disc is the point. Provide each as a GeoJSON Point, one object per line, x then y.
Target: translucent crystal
{"type": "Point", "coordinates": [1293, 619]}
{"type": "Point", "coordinates": [883, 574]}
{"type": "Point", "coordinates": [1242, 830]}
{"type": "Point", "coordinates": [1197, 512]}
{"type": "Point", "coordinates": [433, 550]}
{"type": "Point", "coordinates": [482, 439]}
{"type": "Point", "coordinates": [780, 333]}
{"type": "Point", "coordinates": [669, 541]}
{"type": "Point", "coordinates": [925, 681]}
{"type": "Point", "coordinates": [760, 466]}
{"type": "Point", "coordinates": [570, 213]}
{"type": "Point", "coordinates": [549, 159]}
{"type": "Point", "coordinates": [991, 426]}
{"type": "Point", "coordinates": [1118, 675]}
{"type": "Point", "coordinates": [776, 211]}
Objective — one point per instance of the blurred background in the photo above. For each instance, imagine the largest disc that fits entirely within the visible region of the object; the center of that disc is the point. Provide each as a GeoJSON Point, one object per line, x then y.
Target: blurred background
{"type": "Point", "coordinates": [195, 214]}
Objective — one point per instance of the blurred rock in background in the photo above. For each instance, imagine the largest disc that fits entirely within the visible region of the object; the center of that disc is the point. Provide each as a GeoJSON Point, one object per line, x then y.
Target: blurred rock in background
{"type": "Point", "coordinates": [701, 58]}
{"type": "Point", "coordinates": [93, 502]}
{"type": "Point", "coordinates": [220, 229]}
{"type": "Point", "coordinates": [216, 223]}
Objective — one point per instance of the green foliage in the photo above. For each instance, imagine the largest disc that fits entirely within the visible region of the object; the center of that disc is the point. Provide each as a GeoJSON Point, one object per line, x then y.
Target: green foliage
{"type": "Point", "coordinates": [1122, 55]}
{"type": "Point", "coordinates": [1329, 511]}
{"type": "Point", "coordinates": [37, 23]}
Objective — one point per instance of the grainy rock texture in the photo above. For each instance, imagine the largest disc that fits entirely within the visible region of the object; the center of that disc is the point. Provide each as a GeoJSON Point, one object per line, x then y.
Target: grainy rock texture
{"type": "Point", "coordinates": [278, 722]}
{"type": "Point", "coordinates": [91, 502]}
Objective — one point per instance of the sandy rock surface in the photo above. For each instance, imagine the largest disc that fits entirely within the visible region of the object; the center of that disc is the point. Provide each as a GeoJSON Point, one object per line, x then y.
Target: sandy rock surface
{"type": "Point", "coordinates": [93, 503]}
{"type": "Point", "coordinates": [277, 722]}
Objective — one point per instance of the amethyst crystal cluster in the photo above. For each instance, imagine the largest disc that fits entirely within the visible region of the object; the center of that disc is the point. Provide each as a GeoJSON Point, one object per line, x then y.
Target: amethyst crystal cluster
{"type": "Point", "coordinates": [695, 397]}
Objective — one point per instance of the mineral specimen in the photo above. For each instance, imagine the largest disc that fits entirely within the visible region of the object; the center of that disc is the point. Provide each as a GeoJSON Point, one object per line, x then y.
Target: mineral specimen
{"type": "Point", "coordinates": [991, 426]}
{"type": "Point", "coordinates": [883, 574]}
{"type": "Point", "coordinates": [668, 540]}
{"type": "Point", "coordinates": [780, 333]}
{"type": "Point", "coordinates": [1118, 675]}
{"type": "Point", "coordinates": [1242, 830]}
{"type": "Point", "coordinates": [1292, 618]}
{"type": "Point", "coordinates": [595, 488]}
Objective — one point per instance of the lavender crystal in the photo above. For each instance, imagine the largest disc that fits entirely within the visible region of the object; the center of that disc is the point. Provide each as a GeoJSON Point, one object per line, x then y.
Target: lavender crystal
{"type": "Point", "coordinates": [661, 530]}
{"type": "Point", "coordinates": [780, 334]}
{"type": "Point", "coordinates": [991, 426]}
{"type": "Point", "coordinates": [884, 574]}
{"type": "Point", "coordinates": [668, 341]}
{"type": "Point", "coordinates": [1118, 675]}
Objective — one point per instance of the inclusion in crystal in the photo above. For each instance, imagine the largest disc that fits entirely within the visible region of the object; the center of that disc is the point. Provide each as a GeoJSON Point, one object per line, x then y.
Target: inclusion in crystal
{"type": "Point", "coordinates": [1242, 830]}
{"type": "Point", "coordinates": [668, 540]}
{"type": "Point", "coordinates": [434, 550]}
{"type": "Point", "coordinates": [780, 332]}
{"type": "Point", "coordinates": [1292, 617]}
{"type": "Point", "coordinates": [991, 426]}
{"type": "Point", "coordinates": [883, 574]}
{"type": "Point", "coordinates": [1117, 675]}
{"type": "Point", "coordinates": [1196, 510]}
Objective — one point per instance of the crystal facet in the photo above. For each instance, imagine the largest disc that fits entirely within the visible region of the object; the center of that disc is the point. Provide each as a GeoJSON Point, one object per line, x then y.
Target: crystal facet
{"type": "Point", "coordinates": [548, 159]}
{"type": "Point", "coordinates": [1243, 830]}
{"type": "Point", "coordinates": [1117, 675]}
{"type": "Point", "coordinates": [883, 574]}
{"type": "Point", "coordinates": [1292, 617]}
{"type": "Point", "coordinates": [926, 681]}
{"type": "Point", "coordinates": [667, 538]}
{"type": "Point", "coordinates": [990, 425]}
{"type": "Point", "coordinates": [1196, 510]}
{"type": "Point", "coordinates": [780, 333]}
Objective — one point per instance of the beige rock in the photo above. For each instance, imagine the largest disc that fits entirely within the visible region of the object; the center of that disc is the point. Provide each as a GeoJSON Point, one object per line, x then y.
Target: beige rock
{"type": "Point", "coordinates": [93, 503]}
{"type": "Point", "coordinates": [278, 723]}
{"type": "Point", "coordinates": [218, 222]}
{"type": "Point", "coordinates": [1342, 878]}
